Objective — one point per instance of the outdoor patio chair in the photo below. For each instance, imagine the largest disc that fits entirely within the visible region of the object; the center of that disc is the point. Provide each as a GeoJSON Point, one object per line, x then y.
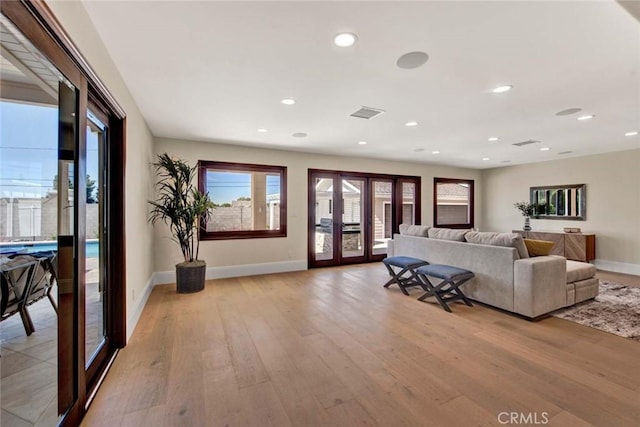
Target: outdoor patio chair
{"type": "Point", "coordinates": [25, 280]}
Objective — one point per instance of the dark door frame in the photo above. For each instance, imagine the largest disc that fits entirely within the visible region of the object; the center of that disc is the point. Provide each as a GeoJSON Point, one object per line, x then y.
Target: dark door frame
{"type": "Point", "coordinates": [367, 231]}
{"type": "Point", "coordinates": [36, 21]}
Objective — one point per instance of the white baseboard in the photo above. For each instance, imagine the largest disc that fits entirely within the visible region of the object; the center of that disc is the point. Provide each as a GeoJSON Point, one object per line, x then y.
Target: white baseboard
{"type": "Point", "coordinates": [223, 272]}
{"type": "Point", "coordinates": [162, 277]}
{"type": "Point", "coordinates": [617, 267]}
{"type": "Point", "coordinates": [142, 301]}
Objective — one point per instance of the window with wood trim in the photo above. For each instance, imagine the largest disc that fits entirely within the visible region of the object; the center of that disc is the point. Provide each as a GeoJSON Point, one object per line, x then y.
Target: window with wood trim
{"type": "Point", "coordinates": [250, 200]}
{"type": "Point", "coordinates": [453, 204]}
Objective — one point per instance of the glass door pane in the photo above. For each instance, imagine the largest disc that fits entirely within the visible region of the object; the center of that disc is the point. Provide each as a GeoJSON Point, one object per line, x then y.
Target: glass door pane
{"type": "Point", "coordinates": [95, 284]}
{"type": "Point", "coordinates": [382, 218]}
{"type": "Point", "coordinates": [28, 230]}
{"type": "Point", "coordinates": [353, 220]}
{"type": "Point", "coordinates": [324, 198]}
{"type": "Point", "coordinates": [37, 121]}
{"type": "Point", "coordinates": [408, 203]}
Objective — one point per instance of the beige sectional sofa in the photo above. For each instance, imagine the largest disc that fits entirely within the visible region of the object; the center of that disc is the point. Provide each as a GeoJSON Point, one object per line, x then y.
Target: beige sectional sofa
{"type": "Point", "coordinates": [505, 276]}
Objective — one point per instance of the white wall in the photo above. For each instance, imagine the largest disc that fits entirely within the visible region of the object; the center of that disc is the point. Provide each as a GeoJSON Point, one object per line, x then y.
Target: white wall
{"type": "Point", "coordinates": [290, 253]}
{"type": "Point", "coordinates": [613, 202]}
{"type": "Point", "coordinates": [139, 185]}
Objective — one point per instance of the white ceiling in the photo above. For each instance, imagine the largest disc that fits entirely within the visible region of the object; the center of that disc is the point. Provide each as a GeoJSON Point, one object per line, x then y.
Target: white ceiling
{"type": "Point", "coordinates": [216, 71]}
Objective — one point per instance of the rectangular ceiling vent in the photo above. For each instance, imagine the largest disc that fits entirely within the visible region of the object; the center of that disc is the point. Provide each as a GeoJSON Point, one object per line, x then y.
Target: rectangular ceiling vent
{"type": "Point", "coordinates": [367, 113]}
{"type": "Point", "coordinates": [523, 143]}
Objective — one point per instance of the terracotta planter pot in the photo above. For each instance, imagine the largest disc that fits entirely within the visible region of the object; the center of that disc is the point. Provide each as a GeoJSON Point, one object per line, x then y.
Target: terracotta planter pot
{"type": "Point", "coordinates": [190, 276]}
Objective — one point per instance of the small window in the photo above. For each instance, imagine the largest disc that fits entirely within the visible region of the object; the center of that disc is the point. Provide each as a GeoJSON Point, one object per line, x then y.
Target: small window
{"type": "Point", "coordinates": [250, 200]}
{"type": "Point", "coordinates": [453, 203]}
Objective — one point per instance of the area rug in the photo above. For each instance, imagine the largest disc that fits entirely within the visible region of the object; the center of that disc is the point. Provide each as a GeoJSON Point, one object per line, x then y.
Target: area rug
{"type": "Point", "coordinates": [615, 310]}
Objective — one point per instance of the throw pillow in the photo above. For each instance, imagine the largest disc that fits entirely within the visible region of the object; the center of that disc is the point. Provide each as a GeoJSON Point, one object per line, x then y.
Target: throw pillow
{"type": "Point", "coordinates": [509, 240]}
{"type": "Point", "coordinates": [538, 247]}
{"type": "Point", "coordinates": [414, 230]}
{"type": "Point", "coordinates": [447, 234]}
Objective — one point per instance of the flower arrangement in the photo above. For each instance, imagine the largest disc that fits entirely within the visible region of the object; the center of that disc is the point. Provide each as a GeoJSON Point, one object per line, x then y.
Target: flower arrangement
{"type": "Point", "coordinates": [526, 208]}
{"type": "Point", "coordinates": [530, 209]}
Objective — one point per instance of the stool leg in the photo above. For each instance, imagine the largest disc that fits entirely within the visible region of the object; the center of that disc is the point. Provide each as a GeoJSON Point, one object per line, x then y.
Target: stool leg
{"type": "Point", "coordinates": [437, 292]}
{"type": "Point", "coordinates": [455, 287]}
{"type": "Point", "coordinates": [434, 291]}
{"type": "Point", "coordinates": [401, 281]}
{"type": "Point", "coordinates": [396, 278]}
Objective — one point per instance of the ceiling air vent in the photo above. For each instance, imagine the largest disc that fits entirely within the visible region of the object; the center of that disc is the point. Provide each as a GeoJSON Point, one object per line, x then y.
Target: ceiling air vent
{"type": "Point", "coordinates": [367, 113]}
{"type": "Point", "coordinates": [523, 143]}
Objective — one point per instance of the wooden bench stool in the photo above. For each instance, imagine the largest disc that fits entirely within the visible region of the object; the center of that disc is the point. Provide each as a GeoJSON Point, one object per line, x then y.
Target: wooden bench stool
{"type": "Point", "coordinates": [449, 289]}
{"type": "Point", "coordinates": [405, 277]}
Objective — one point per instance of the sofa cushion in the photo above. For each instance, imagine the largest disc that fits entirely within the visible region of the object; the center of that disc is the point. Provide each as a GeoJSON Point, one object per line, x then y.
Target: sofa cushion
{"type": "Point", "coordinates": [509, 240]}
{"type": "Point", "coordinates": [577, 271]}
{"type": "Point", "coordinates": [447, 234]}
{"type": "Point", "coordinates": [414, 230]}
{"type": "Point", "coordinates": [538, 247]}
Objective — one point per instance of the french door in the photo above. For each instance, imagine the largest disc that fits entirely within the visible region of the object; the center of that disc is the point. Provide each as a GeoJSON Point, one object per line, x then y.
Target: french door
{"type": "Point", "coordinates": [352, 216]}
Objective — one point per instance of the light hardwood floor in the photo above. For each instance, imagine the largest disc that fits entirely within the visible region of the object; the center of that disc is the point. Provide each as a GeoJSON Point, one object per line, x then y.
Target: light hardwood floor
{"type": "Point", "coordinates": [331, 347]}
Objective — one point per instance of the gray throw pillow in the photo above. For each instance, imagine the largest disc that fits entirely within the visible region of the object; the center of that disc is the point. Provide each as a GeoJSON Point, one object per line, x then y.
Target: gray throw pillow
{"type": "Point", "coordinates": [447, 234]}
{"type": "Point", "coordinates": [414, 230]}
{"type": "Point", "coordinates": [509, 240]}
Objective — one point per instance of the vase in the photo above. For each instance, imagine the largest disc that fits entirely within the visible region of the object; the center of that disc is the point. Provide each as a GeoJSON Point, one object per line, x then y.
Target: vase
{"type": "Point", "coordinates": [527, 224]}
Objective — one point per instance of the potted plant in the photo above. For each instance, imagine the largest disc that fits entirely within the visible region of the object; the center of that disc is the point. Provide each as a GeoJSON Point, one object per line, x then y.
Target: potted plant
{"type": "Point", "coordinates": [181, 206]}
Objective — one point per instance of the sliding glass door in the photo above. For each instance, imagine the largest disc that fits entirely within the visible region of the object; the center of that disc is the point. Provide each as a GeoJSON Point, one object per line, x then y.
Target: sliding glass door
{"type": "Point", "coordinates": [352, 216]}
{"type": "Point", "coordinates": [61, 224]}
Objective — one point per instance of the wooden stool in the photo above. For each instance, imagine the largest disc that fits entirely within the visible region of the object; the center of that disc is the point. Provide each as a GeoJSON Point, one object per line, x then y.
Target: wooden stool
{"type": "Point", "coordinates": [406, 276]}
{"type": "Point", "coordinates": [449, 289]}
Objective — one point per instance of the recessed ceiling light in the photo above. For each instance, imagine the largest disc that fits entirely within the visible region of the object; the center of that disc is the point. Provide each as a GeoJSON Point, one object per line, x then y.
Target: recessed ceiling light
{"type": "Point", "coordinates": [545, 149]}
{"type": "Point", "coordinates": [418, 150]}
{"type": "Point", "coordinates": [299, 135]}
{"type": "Point", "coordinates": [501, 89]}
{"type": "Point", "coordinates": [568, 111]}
{"type": "Point", "coordinates": [565, 152]}
{"type": "Point", "coordinates": [412, 60]}
{"type": "Point", "coordinates": [345, 39]}
{"type": "Point", "coordinates": [587, 117]}
{"type": "Point", "coordinates": [485, 159]}
{"type": "Point", "coordinates": [435, 152]}
{"type": "Point", "coordinates": [505, 161]}
{"type": "Point", "coordinates": [411, 124]}
{"type": "Point", "coordinates": [288, 101]}
{"type": "Point", "coordinates": [632, 133]}
{"type": "Point", "coordinates": [362, 142]}
{"type": "Point", "coordinates": [262, 130]}
{"type": "Point", "coordinates": [493, 138]}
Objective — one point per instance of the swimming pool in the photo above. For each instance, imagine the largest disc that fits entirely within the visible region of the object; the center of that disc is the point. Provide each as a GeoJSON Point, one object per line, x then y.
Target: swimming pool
{"type": "Point", "coordinates": [93, 247]}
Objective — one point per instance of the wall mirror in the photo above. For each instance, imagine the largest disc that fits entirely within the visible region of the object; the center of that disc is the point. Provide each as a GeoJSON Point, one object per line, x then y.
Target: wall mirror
{"type": "Point", "coordinates": [560, 201]}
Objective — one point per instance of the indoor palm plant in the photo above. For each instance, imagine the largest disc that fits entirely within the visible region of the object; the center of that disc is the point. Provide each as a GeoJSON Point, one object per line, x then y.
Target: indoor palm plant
{"type": "Point", "coordinates": [181, 206]}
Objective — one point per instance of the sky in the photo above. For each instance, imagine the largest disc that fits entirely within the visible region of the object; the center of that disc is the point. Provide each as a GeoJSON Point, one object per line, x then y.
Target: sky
{"type": "Point", "coordinates": [28, 157]}
{"type": "Point", "coordinates": [28, 149]}
{"type": "Point", "coordinates": [223, 187]}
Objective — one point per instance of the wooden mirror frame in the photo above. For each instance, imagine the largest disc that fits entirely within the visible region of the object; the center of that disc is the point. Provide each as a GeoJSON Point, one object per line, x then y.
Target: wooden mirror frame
{"type": "Point", "coordinates": [574, 202]}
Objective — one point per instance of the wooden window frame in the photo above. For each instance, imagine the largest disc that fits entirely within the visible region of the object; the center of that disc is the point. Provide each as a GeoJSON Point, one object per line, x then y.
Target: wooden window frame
{"type": "Point", "coordinates": [470, 182]}
{"type": "Point", "coordinates": [204, 166]}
